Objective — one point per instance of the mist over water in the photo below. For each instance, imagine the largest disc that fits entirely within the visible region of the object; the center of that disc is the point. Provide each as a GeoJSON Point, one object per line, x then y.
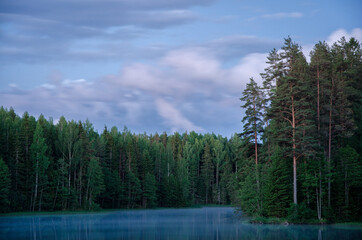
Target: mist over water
{"type": "Point", "coordinates": [195, 223]}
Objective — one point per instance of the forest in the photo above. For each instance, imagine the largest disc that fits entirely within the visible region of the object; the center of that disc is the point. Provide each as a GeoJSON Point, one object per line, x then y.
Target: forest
{"type": "Point", "coordinates": [297, 154]}
{"type": "Point", "coordinates": [69, 166]}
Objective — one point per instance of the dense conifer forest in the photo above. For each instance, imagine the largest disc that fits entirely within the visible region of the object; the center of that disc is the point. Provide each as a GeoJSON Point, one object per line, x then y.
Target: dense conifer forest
{"type": "Point", "coordinates": [298, 153]}
{"type": "Point", "coordinates": [69, 166]}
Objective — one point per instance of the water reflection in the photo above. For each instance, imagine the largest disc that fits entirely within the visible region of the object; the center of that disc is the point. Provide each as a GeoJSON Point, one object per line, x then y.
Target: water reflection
{"type": "Point", "coordinates": [204, 223]}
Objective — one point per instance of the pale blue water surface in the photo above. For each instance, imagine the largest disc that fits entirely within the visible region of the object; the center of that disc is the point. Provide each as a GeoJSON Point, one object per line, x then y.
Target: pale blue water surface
{"type": "Point", "coordinates": [196, 223]}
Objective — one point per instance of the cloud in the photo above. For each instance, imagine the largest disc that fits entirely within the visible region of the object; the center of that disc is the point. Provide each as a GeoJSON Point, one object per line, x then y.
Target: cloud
{"type": "Point", "coordinates": [50, 41]}
{"type": "Point", "coordinates": [100, 14]}
{"type": "Point", "coordinates": [64, 30]}
{"type": "Point", "coordinates": [174, 117]}
{"type": "Point", "coordinates": [338, 34]}
{"type": "Point", "coordinates": [194, 63]}
{"type": "Point", "coordinates": [279, 15]}
{"type": "Point", "coordinates": [250, 66]}
{"type": "Point", "coordinates": [334, 37]}
{"type": "Point", "coordinates": [234, 46]}
{"type": "Point", "coordinates": [186, 89]}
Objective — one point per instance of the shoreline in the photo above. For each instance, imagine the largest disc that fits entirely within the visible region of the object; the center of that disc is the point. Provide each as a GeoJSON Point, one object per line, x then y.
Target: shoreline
{"type": "Point", "coordinates": [100, 211]}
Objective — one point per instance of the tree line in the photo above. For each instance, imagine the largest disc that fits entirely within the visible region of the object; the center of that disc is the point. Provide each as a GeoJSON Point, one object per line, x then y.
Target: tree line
{"type": "Point", "coordinates": [302, 134]}
{"type": "Point", "coordinates": [69, 166]}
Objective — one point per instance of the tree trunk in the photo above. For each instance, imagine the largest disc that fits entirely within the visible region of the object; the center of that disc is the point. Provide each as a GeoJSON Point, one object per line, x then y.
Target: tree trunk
{"type": "Point", "coordinates": [80, 184]}
{"type": "Point", "coordinates": [217, 183]}
{"type": "Point", "coordinates": [56, 194]}
{"type": "Point", "coordinates": [295, 200]}
{"type": "Point", "coordinates": [87, 191]}
{"type": "Point", "coordinates": [206, 197]}
{"type": "Point", "coordinates": [236, 169]}
{"type": "Point", "coordinates": [318, 206]}
{"type": "Point", "coordinates": [40, 198]}
{"type": "Point", "coordinates": [36, 181]}
{"type": "Point", "coordinates": [330, 145]}
{"type": "Point", "coordinates": [318, 191]}
{"type": "Point", "coordinates": [16, 169]}
{"type": "Point", "coordinates": [129, 162]}
{"type": "Point", "coordinates": [346, 187]}
{"type": "Point", "coordinates": [318, 100]}
{"type": "Point", "coordinates": [256, 157]}
{"type": "Point", "coordinates": [69, 172]}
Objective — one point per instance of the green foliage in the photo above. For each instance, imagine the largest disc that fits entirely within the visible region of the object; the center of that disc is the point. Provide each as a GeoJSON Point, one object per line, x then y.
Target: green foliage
{"type": "Point", "coordinates": [207, 171]}
{"type": "Point", "coordinates": [95, 184]}
{"type": "Point", "coordinates": [277, 190]}
{"type": "Point", "coordinates": [349, 181]}
{"type": "Point", "coordinates": [253, 102]}
{"type": "Point", "coordinates": [149, 192]}
{"type": "Point", "coordinates": [311, 143]}
{"type": "Point", "coordinates": [133, 189]}
{"type": "Point", "coordinates": [299, 213]}
{"type": "Point", "coordinates": [4, 186]}
{"type": "Point", "coordinates": [40, 162]}
{"type": "Point", "coordinates": [248, 197]}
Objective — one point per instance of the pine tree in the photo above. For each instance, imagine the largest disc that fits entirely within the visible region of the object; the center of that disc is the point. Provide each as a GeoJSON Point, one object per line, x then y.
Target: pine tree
{"type": "Point", "coordinates": [253, 124]}
{"type": "Point", "coordinates": [321, 70]}
{"type": "Point", "coordinates": [291, 108]}
{"type": "Point", "coordinates": [321, 76]}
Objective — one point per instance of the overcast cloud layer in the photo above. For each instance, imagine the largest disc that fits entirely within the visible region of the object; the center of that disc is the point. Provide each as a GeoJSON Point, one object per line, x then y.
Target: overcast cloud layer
{"type": "Point", "coordinates": [150, 65]}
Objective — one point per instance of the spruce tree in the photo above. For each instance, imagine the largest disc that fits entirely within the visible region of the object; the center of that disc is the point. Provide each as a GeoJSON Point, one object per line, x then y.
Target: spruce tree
{"type": "Point", "coordinates": [277, 185]}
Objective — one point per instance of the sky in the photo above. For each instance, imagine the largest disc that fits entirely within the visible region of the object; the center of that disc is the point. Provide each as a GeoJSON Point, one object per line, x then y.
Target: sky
{"type": "Point", "coordinates": [153, 66]}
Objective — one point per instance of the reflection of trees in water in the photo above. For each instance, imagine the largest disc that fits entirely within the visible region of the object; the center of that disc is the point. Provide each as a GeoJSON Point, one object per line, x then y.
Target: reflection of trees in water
{"type": "Point", "coordinates": [205, 223]}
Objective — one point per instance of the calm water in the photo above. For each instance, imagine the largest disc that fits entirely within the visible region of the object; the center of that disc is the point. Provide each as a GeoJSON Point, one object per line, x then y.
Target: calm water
{"type": "Point", "coordinates": [201, 223]}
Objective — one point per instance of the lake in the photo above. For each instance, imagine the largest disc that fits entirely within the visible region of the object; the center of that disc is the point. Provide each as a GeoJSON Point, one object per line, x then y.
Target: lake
{"type": "Point", "coordinates": [191, 223]}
